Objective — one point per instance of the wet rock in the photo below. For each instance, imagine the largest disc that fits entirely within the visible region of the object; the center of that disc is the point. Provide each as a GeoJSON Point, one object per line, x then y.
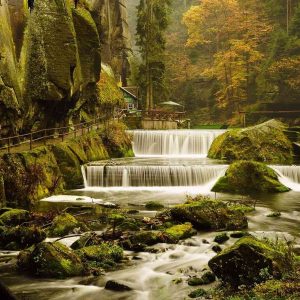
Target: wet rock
{"type": "Point", "coordinates": [198, 293]}
{"type": "Point", "coordinates": [87, 239]}
{"type": "Point", "coordinates": [154, 205]}
{"type": "Point", "coordinates": [265, 143]}
{"type": "Point", "coordinates": [53, 260]}
{"type": "Point", "coordinates": [207, 278]}
{"type": "Point", "coordinates": [117, 286]}
{"type": "Point", "coordinates": [221, 238]}
{"type": "Point", "coordinates": [13, 217]}
{"type": "Point", "coordinates": [238, 234]}
{"type": "Point", "coordinates": [65, 224]}
{"type": "Point", "coordinates": [179, 232]}
{"type": "Point", "coordinates": [275, 214]}
{"type": "Point", "coordinates": [204, 241]}
{"type": "Point", "coordinates": [20, 237]}
{"type": "Point", "coordinates": [247, 262]}
{"type": "Point", "coordinates": [216, 248]}
{"type": "Point", "coordinates": [209, 214]}
{"type": "Point", "coordinates": [248, 177]}
{"type": "Point", "coordinates": [5, 293]}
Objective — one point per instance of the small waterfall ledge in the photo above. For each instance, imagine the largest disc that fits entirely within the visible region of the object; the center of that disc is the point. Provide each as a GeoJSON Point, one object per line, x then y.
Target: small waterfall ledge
{"type": "Point", "coordinates": [173, 143]}
{"type": "Point", "coordinates": [147, 177]}
{"type": "Point", "coordinates": [289, 176]}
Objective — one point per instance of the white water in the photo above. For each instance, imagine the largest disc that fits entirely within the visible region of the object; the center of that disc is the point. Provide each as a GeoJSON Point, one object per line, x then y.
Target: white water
{"type": "Point", "coordinates": [149, 176]}
{"type": "Point", "coordinates": [289, 176]}
{"type": "Point", "coordinates": [173, 143]}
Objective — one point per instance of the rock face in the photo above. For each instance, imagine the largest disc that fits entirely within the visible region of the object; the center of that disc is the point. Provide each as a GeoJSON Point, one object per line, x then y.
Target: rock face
{"type": "Point", "coordinates": [265, 143]}
{"type": "Point", "coordinates": [249, 177]}
{"type": "Point", "coordinates": [209, 214]}
{"type": "Point", "coordinates": [50, 59]}
{"type": "Point", "coordinates": [247, 262]}
{"type": "Point", "coordinates": [52, 260]}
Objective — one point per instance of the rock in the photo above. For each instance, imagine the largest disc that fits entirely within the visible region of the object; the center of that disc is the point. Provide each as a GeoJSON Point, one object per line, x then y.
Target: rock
{"type": "Point", "coordinates": [216, 248]}
{"type": "Point", "coordinates": [275, 214]}
{"type": "Point", "coordinates": [209, 214]}
{"type": "Point", "coordinates": [207, 278]}
{"type": "Point", "coordinates": [5, 293]}
{"type": "Point", "coordinates": [53, 260]}
{"type": "Point", "coordinates": [88, 239]}
{"type": "Point", "coordinates": [117, 286]}
{"type": "Point", "coordinates": [103, 256]}
{"type": "Point", "coordinates": [204, 241]}
{"type": "Point", "coordinates": [221, 238]}
{"type": "Point", "coordinates": [14, 217]}
{"type": "Point", "coordinates": [20, 237]}
{"type": "Point", "coordinates": [198, 293]}
{"type": "Point", "coordinates": [265, 143]}
{"type": "Point", "coordinates": [248, 177]}
{"type": "Point", "coordinates": [154, 205]}
{"type": "Point", "coordinates": [238, 234]}
{"type": "Point", "coordinates": [180, 232]}
{"type": "Point", "coordinates": [65, 224]}
{"type": "Point", "coordinates": [247, 262]}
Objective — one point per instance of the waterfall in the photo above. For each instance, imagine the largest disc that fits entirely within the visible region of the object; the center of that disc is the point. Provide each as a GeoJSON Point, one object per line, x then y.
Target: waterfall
{"type": "Point", "coordinates": [152, 176]}
{"type": "Point", "coordinates": [289, 176]}
{"type": "Point", "coordinates": [173, 143]}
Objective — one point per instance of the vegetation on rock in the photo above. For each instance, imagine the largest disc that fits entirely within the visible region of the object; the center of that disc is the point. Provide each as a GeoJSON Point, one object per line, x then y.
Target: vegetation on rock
{"type": "Point", "coordinates": [249, 177]}
{"type": "Point", "coordinates": [13, 217]}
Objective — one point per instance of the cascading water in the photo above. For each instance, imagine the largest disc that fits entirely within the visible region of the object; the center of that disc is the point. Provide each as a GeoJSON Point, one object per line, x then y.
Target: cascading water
{"type": "Point", "coordinates": [153, 176]}
{"type": "Point", "coordinates": [289, 176]}
{"type": "Point", "coordinates": [173, 143]}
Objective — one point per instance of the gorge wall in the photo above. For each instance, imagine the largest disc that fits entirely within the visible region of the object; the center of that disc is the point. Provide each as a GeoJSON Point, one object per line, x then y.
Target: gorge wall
{"type": "Point", "coordinates": [50, 59]}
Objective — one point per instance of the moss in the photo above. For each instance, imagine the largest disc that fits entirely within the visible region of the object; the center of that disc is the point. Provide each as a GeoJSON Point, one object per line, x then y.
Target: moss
{"type": "Point", "coordinates": [198, 293]}
{"type": "Point", "coordinates": [265, 143]}
{"type": "Point", "coordinates": [206, 278]}
{"type": "Point", "coordinates": [87, 239]}
{"type": "Point", "coordinates": [14, 217]}
{"type": "Point", "coordinates": [64, 224]}
{"type": "Point", "coordinates": [20, 237]}
{"type": "Point", "coordinates": [154, 205]}
{"type": "Point", "coordinates": [248, 177]}
{"type": "Point", "coordinates": [179, 232]}
{"type": "Point", "coordinates": [209, 214]}
{"type": "Point", "coordinates": [50, 260]}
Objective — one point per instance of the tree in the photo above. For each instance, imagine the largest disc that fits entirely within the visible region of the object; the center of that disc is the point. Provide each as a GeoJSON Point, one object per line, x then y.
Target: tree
{"type": "Point", "coordinates": [152, 22]}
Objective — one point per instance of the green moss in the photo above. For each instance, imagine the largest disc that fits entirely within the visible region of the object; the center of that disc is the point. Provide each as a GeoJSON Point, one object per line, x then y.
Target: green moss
{"type": "Point", "coordinates": [265, 143]}
{"type": "Point", "coordinates": [179, 232]}
{"type": "Point", "coordinates": [248, 177]}
{"type": "Point", "coordinates": [221, 238]}
{"type": "Point", "coordinates": [154, 205]}
{"type": "Point", "coordinates": [14, 217]}
{"type": "Point", "coordinates": [50, 260]}
{"type": "Point", "coordinates": [64, 224]}
{"type": "Point", "coordinates": [198, 293]}
{"type": "Point", "coordinates": [206, 278]}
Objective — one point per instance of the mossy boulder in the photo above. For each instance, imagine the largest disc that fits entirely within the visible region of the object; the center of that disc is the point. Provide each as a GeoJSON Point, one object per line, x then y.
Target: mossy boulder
{"type": "Point", "coordinates": [249, 177]}
{"type": "Point", "coordinates": [154, 205]}
{"type": "Point", "coordinates": [87, 239]}
{"type": "Point", "coordinates": [221, 238]}
{"type": "Point", "coordinates": [207, 278]}
{"type": "Point", "coordinates": [104, 256]}
{"type": "Point", "coordinates": [198, 293]}
{"type": "Point", "coordinates": [20, 237]}
{"type": "Point", "coordinates": [181, 231]}
{"type": "Point", "coordinates": [14, 217]}
{"type": "Point", "coordinates": [265, 143]}
{"type": "Point", "coordinates": [247, 262]}
{"type": "Point", "coordinates": [209, 214]}
{"type": "Point", "coordinates": [65, 224]}
{"type": "Point", "coordinates": [53, 260]}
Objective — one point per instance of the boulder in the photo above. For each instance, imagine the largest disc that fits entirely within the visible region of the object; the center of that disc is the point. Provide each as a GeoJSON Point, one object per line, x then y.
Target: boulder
{"type": "Point", "coordinates": [14, 217]}
{"type": "Point", "coordinates": [198, 293]}
{"type": "Point", "coordinates": [117, 286]}
{"type": "Point", "coordinates": [154, 205]}
{"type": "Point", "coordinates": [249, 177]}
{"type": "Point", "coordinates": [20, 237]}
{"type": "Point", "coordinates": [265, 143]}
{"type": "Point", "coordinates": [207, 278]}
{"type": "Point", "coordinates": [209, 214]}
{"type": "Point", "coordinates": [247, 262]}
{"type": "Point", "coordinates": [179, 232]}
{"type": "Point", "coordinates": [221, 238]}
{"type": "Point", "coordinates": [53, 260]}
{"type": "Point", "coordinates": [65, 224]}
{"type": "Point", "coordinates": [88, 239]}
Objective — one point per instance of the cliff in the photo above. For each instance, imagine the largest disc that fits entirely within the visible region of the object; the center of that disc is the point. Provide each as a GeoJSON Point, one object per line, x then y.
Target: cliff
{"type": "Point", "coordinates": [50, 59]}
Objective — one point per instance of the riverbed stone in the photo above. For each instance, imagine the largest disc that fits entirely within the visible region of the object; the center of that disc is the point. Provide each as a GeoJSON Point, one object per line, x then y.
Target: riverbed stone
{"type": "Point", "coordinates": [65, 224]}
{"type": "Point", "coordinates": [180, 232]}
{"type": "Point", "coordinates": [249, 177]}
{"type": "Point", "coordinates": [209, 214]}
{"type": "Point", "coordinates": [264, 143]}
{"type": "Point", "coordinates": [87, 239]}
{"type": "Point", "coordinates": [117, 286]}
{"type": "Point", "coordinates": [221, 238]}
{"type": "Point", "coordinates": [20, 237]}
{"type": "Point", "coordinates": [207, 278]}
{"type": "Point", "coordinates": [53, 260]}
{"type": "Point", "coordinates": [247, 262]}
{"type": "Point", "coordinates": [13, 217]}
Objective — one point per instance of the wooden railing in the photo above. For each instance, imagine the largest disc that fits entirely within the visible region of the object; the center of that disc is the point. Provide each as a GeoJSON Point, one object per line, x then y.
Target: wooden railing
{"type": "Point", "coordinates": [163, 115]}
{"type": "Point", "coordinates": [36, 138]}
